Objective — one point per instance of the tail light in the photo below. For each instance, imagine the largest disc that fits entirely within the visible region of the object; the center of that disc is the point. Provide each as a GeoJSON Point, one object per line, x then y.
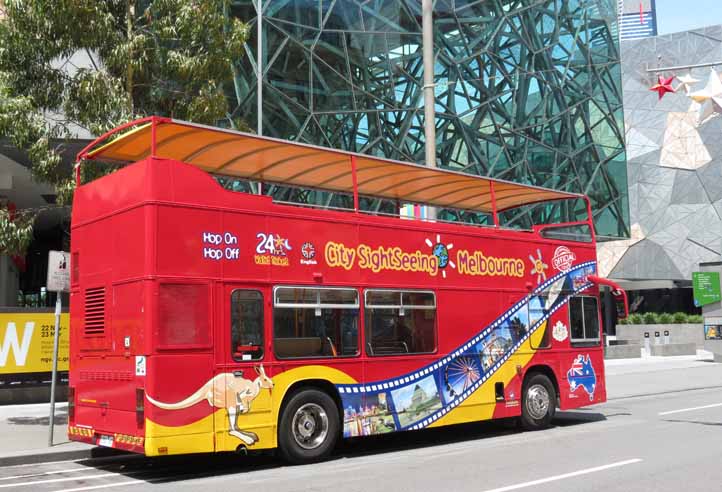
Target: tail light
{"type": "Point", "coordinates": [139, 406]}
{"type": "Point", "coordinates": [71, 404]}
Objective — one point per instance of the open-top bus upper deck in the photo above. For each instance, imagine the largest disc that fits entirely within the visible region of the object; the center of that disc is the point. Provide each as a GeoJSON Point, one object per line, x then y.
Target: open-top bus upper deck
{"type": "Point", "coordinates": [268, 160]}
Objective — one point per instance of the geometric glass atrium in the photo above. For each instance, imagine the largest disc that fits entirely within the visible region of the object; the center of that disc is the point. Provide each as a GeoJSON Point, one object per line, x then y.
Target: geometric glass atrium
{"type": "Point", "coordinates": [526, 90]}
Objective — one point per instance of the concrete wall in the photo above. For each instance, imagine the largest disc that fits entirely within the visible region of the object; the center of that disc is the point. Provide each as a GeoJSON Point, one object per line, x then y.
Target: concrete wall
{"type": "Point", "coordinates": [673, 349]}
{"type": "Point", "coordinates": [627, 351]}
{"type": "Point", "coordinates": [678, 333]}
{"type": "Point", "coordinates": [32, 394]}
{"type": "Point", "coordinates": [714, 346]}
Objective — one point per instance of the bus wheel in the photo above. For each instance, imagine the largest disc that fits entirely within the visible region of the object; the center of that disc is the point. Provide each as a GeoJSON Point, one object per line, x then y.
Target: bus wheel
{"type": "Point", "coordinates": [309, 427]}
{"type": "Point", "coordinates": [538, 402]}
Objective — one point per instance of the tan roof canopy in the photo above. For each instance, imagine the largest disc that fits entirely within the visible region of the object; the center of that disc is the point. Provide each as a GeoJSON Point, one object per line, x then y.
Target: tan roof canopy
{"type": "Point", "coordinates": [271, 160]}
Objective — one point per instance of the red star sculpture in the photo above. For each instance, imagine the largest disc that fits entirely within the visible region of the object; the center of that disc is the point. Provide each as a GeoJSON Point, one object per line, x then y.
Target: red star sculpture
{"type": "Point", "coordinates": [663, 86]}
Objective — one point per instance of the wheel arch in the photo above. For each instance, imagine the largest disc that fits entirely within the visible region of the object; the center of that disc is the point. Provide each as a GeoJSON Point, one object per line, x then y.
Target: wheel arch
{"type": "Point", "coordinates": [319, 384]}
{"type": "Point", "coordinates": [545, 370]}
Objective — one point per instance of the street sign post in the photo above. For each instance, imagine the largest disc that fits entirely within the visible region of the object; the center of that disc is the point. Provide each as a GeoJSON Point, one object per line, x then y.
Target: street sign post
{"type": "Point", "coordinates": [58, 281]}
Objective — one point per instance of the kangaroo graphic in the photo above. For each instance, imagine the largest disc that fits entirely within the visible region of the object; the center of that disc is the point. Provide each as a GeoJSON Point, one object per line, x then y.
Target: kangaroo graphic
{"type": "Point", "coordinates": [233, 393]}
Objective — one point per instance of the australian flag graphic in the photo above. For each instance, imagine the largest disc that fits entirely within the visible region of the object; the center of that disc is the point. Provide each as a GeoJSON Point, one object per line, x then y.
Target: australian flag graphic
{"type": "Point", "coordinates": [581, 375]}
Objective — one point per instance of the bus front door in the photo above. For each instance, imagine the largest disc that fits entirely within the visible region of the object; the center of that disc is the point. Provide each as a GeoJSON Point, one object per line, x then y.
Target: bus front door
{"type": "Point", "coordinates": [244, 383]}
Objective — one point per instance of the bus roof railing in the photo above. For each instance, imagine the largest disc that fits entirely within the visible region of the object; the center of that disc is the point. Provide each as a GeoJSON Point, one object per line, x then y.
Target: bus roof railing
{"type": "Point", "coordinates": [269, 160]}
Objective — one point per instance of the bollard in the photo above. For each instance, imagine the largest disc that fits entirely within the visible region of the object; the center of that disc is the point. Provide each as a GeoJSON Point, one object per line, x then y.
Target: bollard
{"type": "Point", "coordinates": [647, 348]}
{"type": "Point", "coordinates": [666, 337]}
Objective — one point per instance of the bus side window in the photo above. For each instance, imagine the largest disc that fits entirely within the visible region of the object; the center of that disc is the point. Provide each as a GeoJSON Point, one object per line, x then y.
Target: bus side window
{"type": "Point", "coordinates": [246, 325]}
{"type": "Point", "coordinates": [584, 319]}
{"type": "Point", "coordinates": [315, 322]}
{"type": "Point", "coordinates": [399, 322]}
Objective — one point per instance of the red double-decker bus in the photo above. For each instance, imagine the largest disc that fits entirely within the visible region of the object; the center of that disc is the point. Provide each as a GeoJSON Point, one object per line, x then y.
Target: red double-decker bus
{"type": "Point", "coordinates": [206, 320]}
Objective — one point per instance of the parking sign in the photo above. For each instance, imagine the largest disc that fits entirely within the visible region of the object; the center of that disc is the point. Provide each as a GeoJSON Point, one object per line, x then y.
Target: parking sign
{"type": "Point", "coordinates": [58, 272]}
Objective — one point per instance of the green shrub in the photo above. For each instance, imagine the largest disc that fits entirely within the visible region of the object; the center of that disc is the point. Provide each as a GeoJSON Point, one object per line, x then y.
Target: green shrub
{"type": "Point", "coordinates": [635, 319]}
{"type": "Point", "coordinates": [650, 318]}
{"type": "Point", "coordinates": [623, 321]}
{"type": "Point", "coordinates": [679, 317]}
{"type": "Point", "coordinates": [694, 318]}
{"type": "Point", "coordinates": [665, 318]}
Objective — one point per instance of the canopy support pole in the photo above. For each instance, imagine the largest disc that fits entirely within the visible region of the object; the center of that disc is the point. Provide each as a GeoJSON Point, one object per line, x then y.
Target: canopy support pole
{"type": "Point", "coordinates": [494, 212]}
{"type": "Point", "coordinates": [355, 183]}
{"type": "Point", "coordinates": [152, 136]}
{"type": "Point", "coordinates": [590, 218]}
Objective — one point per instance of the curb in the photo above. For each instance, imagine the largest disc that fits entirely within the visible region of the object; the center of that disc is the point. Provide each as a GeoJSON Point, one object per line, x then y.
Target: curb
{"type": "Point", "coordinates": [51, 456]}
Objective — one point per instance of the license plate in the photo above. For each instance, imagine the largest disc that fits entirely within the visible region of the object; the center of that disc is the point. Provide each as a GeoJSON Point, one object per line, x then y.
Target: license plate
{"type": "Point", "coordinates": [106, 441]}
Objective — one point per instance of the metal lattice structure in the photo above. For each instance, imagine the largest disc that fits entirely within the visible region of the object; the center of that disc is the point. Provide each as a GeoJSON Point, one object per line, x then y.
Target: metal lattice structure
{"type": "Point", "coordinates": [526, 90]}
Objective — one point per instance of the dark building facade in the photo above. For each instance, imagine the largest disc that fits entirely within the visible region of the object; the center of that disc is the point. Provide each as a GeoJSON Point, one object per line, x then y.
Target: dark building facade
{"type": "Point", "coordinates": [525, 91]}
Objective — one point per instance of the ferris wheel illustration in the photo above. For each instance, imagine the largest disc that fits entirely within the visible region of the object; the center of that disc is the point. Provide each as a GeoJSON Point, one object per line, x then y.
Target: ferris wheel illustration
{"type": "Point", "coordinates": [461, 374]}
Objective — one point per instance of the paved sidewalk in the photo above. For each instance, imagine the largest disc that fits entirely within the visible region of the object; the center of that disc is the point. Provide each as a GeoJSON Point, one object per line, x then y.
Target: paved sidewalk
{"type": "Point", "coordinates": [24, 431]}
{"type": "Point", "coordinates": [657, 375]}
{"type": "Point", "coordinates": [655, 363]}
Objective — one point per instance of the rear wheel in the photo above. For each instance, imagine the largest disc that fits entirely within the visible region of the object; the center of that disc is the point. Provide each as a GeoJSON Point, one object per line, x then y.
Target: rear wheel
{"type": "Point", "coordinates": [309, 427]}
{"type": "Point", "coordinates": [538, 402]}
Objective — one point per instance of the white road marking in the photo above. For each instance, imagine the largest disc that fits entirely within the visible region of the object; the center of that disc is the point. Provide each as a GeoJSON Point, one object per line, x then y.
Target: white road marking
{"type": "Point", "coordinates": [54, 472]}
{"type": "Point", "coordinates": [54, 480]}
{"type": "Point", "coordinates": [26, 465]}
{"type": "Point", "coordinates": [565, 475]}
{"type": "Point", "coordinates": [690, 409]}
{"type": "Point", "coordinates": [104, 486]}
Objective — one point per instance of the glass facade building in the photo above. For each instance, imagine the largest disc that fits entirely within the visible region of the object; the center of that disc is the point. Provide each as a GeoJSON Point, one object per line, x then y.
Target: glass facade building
{"type": "Point", "coordinates": [526, 90]}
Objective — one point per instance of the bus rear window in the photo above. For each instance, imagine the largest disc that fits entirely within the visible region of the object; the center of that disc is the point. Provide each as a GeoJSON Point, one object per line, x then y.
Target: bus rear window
{"type": "Point", "coordinates": [183, 313]}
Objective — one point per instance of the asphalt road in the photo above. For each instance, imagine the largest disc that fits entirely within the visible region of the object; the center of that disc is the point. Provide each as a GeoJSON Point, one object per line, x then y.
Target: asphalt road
{"type": "Point", "coordinates": [666, 441]}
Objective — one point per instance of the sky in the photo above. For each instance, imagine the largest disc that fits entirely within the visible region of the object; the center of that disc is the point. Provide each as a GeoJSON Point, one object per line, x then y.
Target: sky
{"type": "Point", "coordinates": [676, 15]}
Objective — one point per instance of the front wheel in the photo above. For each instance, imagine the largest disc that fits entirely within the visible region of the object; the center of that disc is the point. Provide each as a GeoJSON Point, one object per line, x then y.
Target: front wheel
{"type": "Point", "coordinates": [309, 427]}
{"type": "Point", "coordinates": [538, 402]}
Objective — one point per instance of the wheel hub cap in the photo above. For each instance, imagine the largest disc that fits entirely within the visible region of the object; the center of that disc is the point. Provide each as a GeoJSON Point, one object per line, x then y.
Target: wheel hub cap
{"type": "Point", "coordinates": [537, 401]}
{"type": "Point", "coordinates": [310, 426]}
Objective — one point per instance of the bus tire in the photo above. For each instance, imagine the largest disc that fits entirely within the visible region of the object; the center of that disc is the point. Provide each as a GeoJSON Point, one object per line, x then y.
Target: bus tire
{"type": "Point", "coordinates": [309, 427]}
{"type": "Point", "coordinates": [538, 402]}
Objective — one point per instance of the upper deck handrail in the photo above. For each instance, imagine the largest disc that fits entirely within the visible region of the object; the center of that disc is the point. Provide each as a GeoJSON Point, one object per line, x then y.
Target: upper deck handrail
{"type": "Point", "coordinates": [247, 156]}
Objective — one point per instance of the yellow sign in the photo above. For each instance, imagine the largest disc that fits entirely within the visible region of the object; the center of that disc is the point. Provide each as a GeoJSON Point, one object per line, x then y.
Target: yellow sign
{"type": "Point", "coordinates": [380, 259]}
{"type": "Point", "coordinates": [26, 342]}
{"type": "Point", "coordinates": [475, 263]}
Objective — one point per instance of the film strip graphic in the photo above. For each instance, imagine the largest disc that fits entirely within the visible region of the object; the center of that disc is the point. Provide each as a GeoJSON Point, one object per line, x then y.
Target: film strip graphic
{"type": "Point", "coordinates": [417, 399]}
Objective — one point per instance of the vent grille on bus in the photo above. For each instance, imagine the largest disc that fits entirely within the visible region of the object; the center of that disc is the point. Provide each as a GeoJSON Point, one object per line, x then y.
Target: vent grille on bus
{"type": "Point", "coordinates": [95, 312]}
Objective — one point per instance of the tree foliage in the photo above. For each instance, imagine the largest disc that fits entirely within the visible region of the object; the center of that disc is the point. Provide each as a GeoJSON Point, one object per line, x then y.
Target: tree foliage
{"type": "Point", "coordinates": [86, 66]}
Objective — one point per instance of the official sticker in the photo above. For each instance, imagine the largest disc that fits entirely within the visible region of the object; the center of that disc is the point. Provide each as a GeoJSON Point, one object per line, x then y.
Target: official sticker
{"type": "Point", "coordinates": [140, 365]}
{"type": "Point", "coordinates": [563, 259]}
{"type": "Point", "coordinates": [560, 332]}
